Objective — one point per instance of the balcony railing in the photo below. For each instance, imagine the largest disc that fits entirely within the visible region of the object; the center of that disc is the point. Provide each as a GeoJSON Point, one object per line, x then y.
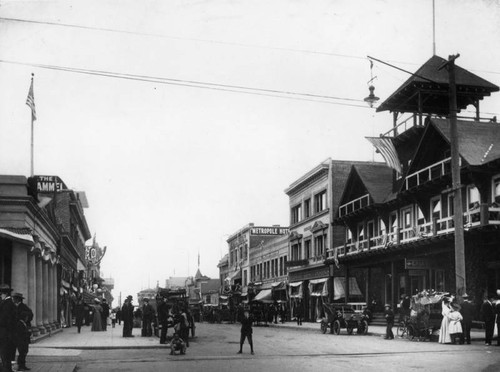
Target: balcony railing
{"type": "Point", "coordinates": [354, 205]}
{"type": "Point", "coordinates": [402, 127]}
{"type": "Point", "coordinates": [473, 218]}
{"type": "Point", "coordinates": [429, 173]}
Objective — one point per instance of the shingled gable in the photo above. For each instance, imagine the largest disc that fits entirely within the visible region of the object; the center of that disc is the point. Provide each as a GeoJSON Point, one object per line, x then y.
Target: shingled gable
{"type": "Point", "coordinates": [478, 142]}
{"type": "Point", "coordinates": [375, 178]}
{"type": "Point", "coordinates": [432, 84]}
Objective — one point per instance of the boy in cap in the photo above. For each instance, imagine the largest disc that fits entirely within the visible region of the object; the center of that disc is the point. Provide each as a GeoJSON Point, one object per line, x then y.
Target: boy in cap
{"type": "Point", "coordinates": [389, 317]}
{"type": "Point", "coordinates": [177, 344]}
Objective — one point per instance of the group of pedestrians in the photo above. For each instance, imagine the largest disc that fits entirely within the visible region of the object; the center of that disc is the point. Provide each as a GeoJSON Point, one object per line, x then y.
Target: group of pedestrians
{"type": "Point", "coordinates": [15, 325]}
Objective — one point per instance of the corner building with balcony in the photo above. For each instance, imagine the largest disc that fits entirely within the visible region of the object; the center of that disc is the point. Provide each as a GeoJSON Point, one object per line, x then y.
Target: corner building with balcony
{"type": "Point", "coordinates": [314, 199]}
{"type": "Point", "coordinates": [400, 236]}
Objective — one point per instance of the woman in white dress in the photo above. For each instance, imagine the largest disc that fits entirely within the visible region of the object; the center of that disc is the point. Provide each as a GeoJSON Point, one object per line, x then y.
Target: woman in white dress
{"type": "Point", "coordinates": [444, 332]}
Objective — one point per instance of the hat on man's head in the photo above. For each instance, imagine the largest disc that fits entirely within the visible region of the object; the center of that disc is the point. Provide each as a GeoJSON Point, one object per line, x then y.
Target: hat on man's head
{"type": "Point", "coordinates": [129, 297]}
{"type": "Point", "coordinates": [388, 305]}
{"type": "Point", "coordinates": [17, 295]}
{"type": "Point", "coordinates": [96, 300]}
{"type": "Point", "coordinates": [145, 299]}
{"type": "Point", "coordinates": [5, 288]}
{"type": "Point", "coordinates": [465, 295]}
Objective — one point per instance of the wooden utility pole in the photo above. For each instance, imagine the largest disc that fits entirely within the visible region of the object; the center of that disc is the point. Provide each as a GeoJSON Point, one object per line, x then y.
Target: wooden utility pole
{"type": "Point", "coordinates": [456, 186]}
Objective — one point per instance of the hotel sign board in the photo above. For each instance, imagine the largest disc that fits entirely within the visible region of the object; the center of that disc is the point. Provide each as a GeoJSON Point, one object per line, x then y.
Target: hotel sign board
{"type": "Point", "coordinates": [47, 184]}
{"type": "Point", "coordinates": [274, 230]}
{"type": "Point", "coordinates": [416, 264]}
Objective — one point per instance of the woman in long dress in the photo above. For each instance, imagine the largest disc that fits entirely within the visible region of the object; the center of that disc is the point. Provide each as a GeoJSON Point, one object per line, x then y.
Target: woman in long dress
{"type": "Point", "coordinates": [444, 332]}
{"type": "Point", "coordinates": [97, 316]}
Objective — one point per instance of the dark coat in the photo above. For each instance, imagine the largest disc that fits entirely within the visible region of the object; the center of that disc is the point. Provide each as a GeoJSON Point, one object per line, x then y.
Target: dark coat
{"type": "Point", "coordinates": [127, 314]}
{"type": "Point", "coordinates": [389, 316]}
{"type": "Point", "coordinates": [246, 325]}
{"type": "Point", "coordinates": [79, 312]}
{"type": "Point", "coordinates": [23, 316]}
{"type": "Point", "coordinates": [148, 312]}
{"type": "Point", "coordinates": [468, 311]}
{"type": "Point", "coordinates": [497, 309]}
{"type": "Point", "coordinates": [105, 310]}
{"type": "Point", "coordinates": [488, 311]}
{"type": "Point", "coordinates": [7, 317]}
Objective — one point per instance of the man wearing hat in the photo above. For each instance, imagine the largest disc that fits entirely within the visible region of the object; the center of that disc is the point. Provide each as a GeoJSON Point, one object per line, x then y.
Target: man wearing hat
{"type": "Point", "coordinates": [389, 317]}
{"type": "Point", "coordinates": [21, 338]}
{"type": "Point", "coordinates": [148, 314]}
{"type": "Point", "coordinates": [7, 322]}
{"type": "Point", "coordinates": [488, 316]}
{"type": "Point", "coordinates": [468, 311]}
{"type": "Point", "coordinates": [128, 317]}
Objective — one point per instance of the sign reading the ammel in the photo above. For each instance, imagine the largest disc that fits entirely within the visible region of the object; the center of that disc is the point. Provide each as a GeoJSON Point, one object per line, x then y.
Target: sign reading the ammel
{"type": "Point", "coordinates": [49, 184]}
{"type": "Point", "coordinates": [275, 230]}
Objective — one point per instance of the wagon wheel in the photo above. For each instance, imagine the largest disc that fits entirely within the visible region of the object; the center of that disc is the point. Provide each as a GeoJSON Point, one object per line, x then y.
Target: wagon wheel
{"type": "Point", "coordinates": [324, 326]}
{"type": "Point", "coordinates": [402, 330]}
{"type": "Point", "coordinates": [363, 328]}
{"type": "Point", "coordinates": [336, 327]}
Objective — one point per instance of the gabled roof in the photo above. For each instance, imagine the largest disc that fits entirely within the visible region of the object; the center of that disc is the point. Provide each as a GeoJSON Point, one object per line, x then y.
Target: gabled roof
{"type": "Point", "coordinates": [433, 84]}
{"type": "Point", "coordinates": [377, 178]}
{"type": "Point", "coordinates": [478, 142]}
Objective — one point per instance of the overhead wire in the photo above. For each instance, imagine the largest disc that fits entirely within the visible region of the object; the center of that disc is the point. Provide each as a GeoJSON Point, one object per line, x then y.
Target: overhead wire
{"type": "Point", "coordinates": [197, 84]}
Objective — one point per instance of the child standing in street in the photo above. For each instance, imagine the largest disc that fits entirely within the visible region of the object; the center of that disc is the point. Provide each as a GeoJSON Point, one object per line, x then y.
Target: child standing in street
{"type": "Point", "coordinates": [389, 317]}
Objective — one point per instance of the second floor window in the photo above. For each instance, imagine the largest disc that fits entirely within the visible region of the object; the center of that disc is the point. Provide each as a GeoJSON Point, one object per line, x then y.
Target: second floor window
{"type": "Point", "coordinates": [307, 249]}
{"type": "Point", "coordinates": [296, 214]}
{"type": "Point", "coordinates": [307, 208]}
{"type": "Point", "coordinates": [295, 252]}
{"type": "Point", "coordinates": [319, 245]}
{"type": "Point", "coordinates": [473, 197]}
{"type": "Point", "coordinates": [320, 201]}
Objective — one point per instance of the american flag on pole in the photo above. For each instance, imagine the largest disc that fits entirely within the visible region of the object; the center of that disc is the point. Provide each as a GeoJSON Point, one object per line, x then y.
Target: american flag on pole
{"type": "Point", "coordinates": [386, 148]}
{"type": "Point", "coordinates": [30, 101]}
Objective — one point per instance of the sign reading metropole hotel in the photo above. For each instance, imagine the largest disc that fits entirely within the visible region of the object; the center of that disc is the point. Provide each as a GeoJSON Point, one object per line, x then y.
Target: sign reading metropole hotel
{"type": "Point", "coordinates": [274, 230]}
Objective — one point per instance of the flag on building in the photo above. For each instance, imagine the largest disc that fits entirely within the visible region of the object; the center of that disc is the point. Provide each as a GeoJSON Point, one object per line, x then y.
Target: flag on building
{"type": "Point", "coordinates": [386, 148]}
{"type": "Point", "coordinates": [30, 101]}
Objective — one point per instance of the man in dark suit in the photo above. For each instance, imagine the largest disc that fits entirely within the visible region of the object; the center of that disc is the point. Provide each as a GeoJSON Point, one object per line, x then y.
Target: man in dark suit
{"type": "Point", "coordinates": [488, 315]}
{"type": "Point", "coordinates": [246, 331]}
{"type": "Point", "coordinates": [7, 324]}
{"type": "Point", "coordinates": [468, 311]}
{"type": "Point", "coordinates": [105, 314]}
{"type": "Point", "coordinates": [21, 336]}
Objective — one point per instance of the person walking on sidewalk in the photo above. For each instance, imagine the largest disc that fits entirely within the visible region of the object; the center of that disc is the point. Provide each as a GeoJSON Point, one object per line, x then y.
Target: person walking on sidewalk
{"type": "Point", "coordinates": [148, 314]}
{"type": "Point", "coordinates": [127, 315]}
{"type": "Point", "coordinates": [21, 336]}
{"type": "Point", "coordinates": [497, 311]}
{"type": "Point", "coordinates": [7, 321]}
{"type": "Point", "coordinates": [97, 316]}
{"type": "Point", "coordinates": [389, 317]}
{"type": "Point", "coordinates": [79, 313]}
{"type": "Point", "coordinates": [105, 314]}
{"type": "Point", "coordinates": [299, 313]}
{"type": "Point", "coordinates": [246, 331]}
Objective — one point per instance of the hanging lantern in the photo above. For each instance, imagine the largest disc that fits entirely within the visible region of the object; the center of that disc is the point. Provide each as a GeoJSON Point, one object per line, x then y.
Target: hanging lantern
{"type": "Point", "coordinates": [372, 98]}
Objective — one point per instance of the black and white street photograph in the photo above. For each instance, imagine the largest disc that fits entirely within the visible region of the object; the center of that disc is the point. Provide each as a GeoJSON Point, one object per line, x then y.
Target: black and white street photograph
{"type": "Point", "coordinates": [249, 185]}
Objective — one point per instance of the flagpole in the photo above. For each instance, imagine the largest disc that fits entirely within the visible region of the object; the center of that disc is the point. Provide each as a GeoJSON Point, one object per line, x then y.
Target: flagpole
{"type": "Point", "coordinates": [32, 137]}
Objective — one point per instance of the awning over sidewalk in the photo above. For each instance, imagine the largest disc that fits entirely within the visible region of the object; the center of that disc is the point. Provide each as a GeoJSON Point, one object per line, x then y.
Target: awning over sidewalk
{"type": "Point", "coordinates": [264, 296]}
{"type": "Point", "coordinates": [22, 235]}
{"type": "Point", "coordinates": [234, 276]}
{"type": "Point", "coordinates": [318, 287]}
{"type": "Point", "coordinates": [296, 290]}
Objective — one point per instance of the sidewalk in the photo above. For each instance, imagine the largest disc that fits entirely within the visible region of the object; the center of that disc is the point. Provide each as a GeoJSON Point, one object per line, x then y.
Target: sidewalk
{"type": "Point", "coordinates": [69, 338]}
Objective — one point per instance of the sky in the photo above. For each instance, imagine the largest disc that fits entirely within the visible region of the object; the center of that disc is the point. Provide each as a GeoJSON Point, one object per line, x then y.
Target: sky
{"type": "Point", "coordinates": [185, 120]}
